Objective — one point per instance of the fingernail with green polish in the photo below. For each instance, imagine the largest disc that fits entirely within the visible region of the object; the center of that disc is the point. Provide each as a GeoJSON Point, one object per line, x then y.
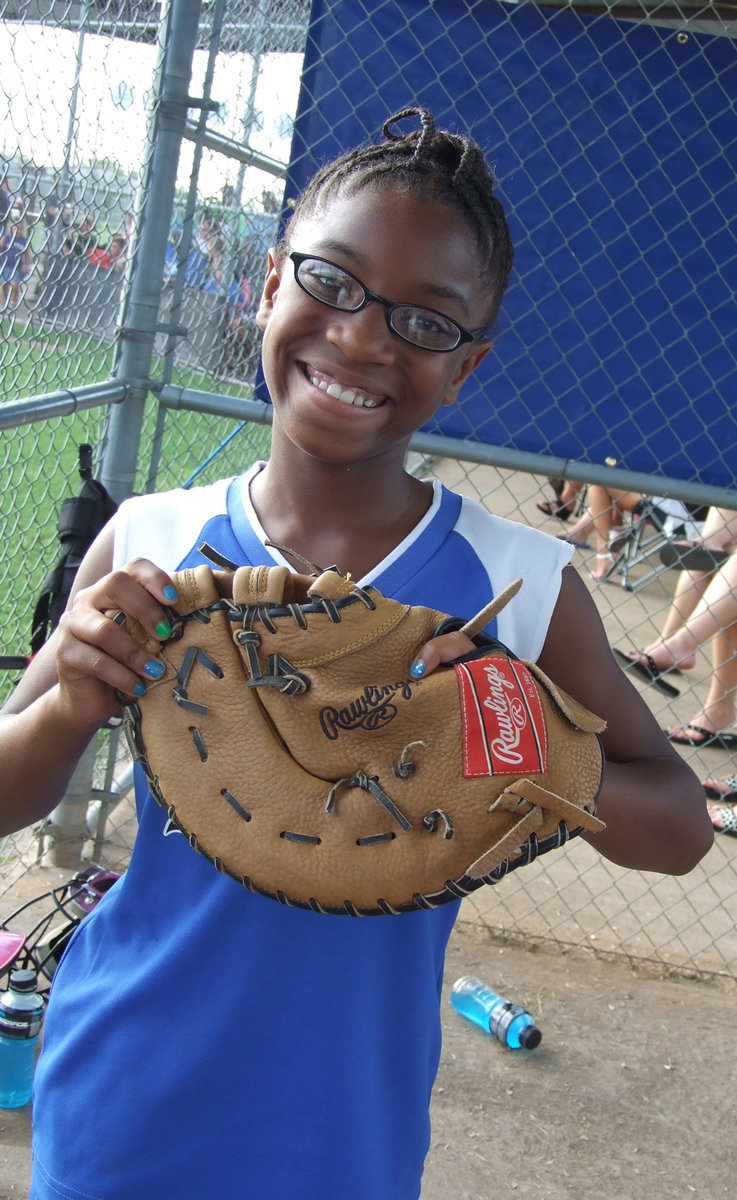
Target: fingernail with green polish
{"type": "Point", "coordinates": [163, 629]}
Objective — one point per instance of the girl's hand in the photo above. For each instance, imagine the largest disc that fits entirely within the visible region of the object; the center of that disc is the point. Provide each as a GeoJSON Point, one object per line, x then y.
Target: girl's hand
{"type": "Point", "coordinates": [95, 657]}
{"type": "Point", "coordinates": [438, 650]}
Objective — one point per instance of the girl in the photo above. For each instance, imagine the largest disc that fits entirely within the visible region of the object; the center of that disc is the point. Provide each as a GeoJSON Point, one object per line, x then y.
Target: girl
{"type": "Point", "coordinates": [225, 1043]}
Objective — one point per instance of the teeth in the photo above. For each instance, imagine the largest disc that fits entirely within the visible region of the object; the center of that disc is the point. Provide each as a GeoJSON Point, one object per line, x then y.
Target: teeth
{"type": "Point", "coordinates": [345, 395]}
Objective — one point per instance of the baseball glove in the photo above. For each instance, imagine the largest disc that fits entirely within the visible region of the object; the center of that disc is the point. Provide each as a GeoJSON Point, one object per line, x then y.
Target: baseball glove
{"type": "Point", "coordinates": [289, 743]}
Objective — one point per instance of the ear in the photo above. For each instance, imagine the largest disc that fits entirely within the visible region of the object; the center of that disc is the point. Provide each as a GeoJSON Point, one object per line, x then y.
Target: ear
{"type": "Point", "coordinates": [270, 289]}
{"type": "Point", "coordinates": [472, 360]}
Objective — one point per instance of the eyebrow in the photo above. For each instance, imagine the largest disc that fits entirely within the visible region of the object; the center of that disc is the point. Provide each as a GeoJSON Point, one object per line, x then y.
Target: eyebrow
{"type": "Point", "coordinates": [441, 291]}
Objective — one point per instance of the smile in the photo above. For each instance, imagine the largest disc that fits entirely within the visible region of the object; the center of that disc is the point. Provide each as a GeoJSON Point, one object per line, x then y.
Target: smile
{"type": "Point", "coordinates": [356, 397]}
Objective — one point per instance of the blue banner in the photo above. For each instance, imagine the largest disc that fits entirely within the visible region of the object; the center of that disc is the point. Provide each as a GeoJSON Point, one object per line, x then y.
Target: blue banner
{"type": "Point", "coordinates": [615, 147]}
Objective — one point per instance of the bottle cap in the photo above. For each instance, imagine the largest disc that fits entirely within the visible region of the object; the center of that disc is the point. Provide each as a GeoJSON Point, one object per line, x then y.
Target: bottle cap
{"type": "Point", "coordinates": [530, 1037]}
{"type": "Point", "coordinates": [23, 981]}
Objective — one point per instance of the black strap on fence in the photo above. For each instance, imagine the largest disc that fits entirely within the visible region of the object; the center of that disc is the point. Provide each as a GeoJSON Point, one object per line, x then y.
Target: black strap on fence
{"type": "Point", "coordinates": [81, 518]}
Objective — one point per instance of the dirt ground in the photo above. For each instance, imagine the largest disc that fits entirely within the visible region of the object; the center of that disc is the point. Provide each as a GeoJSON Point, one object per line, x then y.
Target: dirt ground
{"type": "Point", "coordinates": [630, 1095]}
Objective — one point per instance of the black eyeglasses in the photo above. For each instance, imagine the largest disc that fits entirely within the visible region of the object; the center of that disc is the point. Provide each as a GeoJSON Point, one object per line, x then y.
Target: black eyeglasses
{"type": "Point", "coordinates": [413, 323]}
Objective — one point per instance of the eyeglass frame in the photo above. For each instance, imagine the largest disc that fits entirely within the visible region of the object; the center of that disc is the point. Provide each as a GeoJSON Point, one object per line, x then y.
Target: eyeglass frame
{"type": "Point", "coordinates": [389, 306]}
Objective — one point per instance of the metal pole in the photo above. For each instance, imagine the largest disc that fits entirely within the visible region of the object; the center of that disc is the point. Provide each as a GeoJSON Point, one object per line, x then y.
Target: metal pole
{"type": "Point", "coordinates": [66, 830]}
{"type": "Point", "coordinates": [177, 43]}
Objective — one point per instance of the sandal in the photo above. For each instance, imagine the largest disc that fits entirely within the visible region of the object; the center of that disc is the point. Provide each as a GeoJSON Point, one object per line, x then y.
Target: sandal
{"type": "Point", "coordinates": [619, 536]}
{"type": "Point", "coordinates": [721, 739]}
{"type": "Point", "coordinates": [552, 508]}
{"type": "Point", "coordinates": [727, 815]}
{"type": "Point", "coordinates": [604, 554]}
{"type": "Point", "coordinates": [644, 666]}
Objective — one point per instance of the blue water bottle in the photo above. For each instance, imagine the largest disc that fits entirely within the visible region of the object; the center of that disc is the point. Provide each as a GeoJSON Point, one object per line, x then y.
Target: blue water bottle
{"type": "Point", "coordinates": [21, 1016]}
{"type": "Point", "coordinates": [512, 1025]}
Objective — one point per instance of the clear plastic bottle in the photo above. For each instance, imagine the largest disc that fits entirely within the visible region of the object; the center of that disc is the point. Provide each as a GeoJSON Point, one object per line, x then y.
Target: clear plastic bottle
{"type": "Point", "coordinates": [513, 1026]}
{"type": "Point", "coordinates": [21, 1017]}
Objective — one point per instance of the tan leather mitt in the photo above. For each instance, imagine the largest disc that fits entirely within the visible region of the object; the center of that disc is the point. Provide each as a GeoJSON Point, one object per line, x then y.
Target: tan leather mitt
{"type": "Point", "coordinates": [289, 742]}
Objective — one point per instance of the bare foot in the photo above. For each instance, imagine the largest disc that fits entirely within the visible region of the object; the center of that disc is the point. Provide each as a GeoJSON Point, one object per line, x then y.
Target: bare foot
{"type": "Point", "coordinates": [666, 660]}
{"type": "Point", "coordinates": [714, 788]}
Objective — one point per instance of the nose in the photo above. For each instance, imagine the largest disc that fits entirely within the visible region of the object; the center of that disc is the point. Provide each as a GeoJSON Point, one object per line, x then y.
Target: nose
{"type": "Point", "coordinates": [363, 336]}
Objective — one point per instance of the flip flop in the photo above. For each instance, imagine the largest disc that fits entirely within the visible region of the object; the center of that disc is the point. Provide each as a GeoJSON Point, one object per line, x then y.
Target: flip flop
{"type": "Point", "coordinates": [727, 814]}
{"type": "Point", "coordinates": [579, 545]}
{"type": "Point", "coordinates": [552, 509]}
{"type": "Point", "coordinates": [648, 671]}
{"type": "Point", "coordinates": [692, 556]}
{"type": "Point", "coordinates": [721, 740]}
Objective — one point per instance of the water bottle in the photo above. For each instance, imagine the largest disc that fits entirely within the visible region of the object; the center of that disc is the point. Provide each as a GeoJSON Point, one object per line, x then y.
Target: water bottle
{"type": "Point", "coordinates": [21, 1016]}
{"type": "Point", "coordinates": [512, 1025]}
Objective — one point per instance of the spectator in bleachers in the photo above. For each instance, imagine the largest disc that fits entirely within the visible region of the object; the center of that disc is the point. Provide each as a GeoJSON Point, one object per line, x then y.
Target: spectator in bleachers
{"type": "Point", "coordinates": [240, 333]}
{"type": "Point", "coordinates": [52, 207]}
{"type": "Point", "coordinates": [112, 256]}
{"type": "Point", "coordinates": [6, 201]}
{"type": "Point", "coordinates": [15, 261]}
{"type": "Point", "coordinates": [604, 520]}
{"type": "Point", "coordinates": [703, 609]}
{"type": "Point", "coordinates": [80, 239]}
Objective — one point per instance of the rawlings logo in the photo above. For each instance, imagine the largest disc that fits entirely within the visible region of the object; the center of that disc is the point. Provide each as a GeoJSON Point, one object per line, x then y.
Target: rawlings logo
{"type": "Point", "coordinates": [503, 720]}
{"type": "Point", "coordinates": [371, 710]}
{"type": "Point", "coordinates": [510, 713]}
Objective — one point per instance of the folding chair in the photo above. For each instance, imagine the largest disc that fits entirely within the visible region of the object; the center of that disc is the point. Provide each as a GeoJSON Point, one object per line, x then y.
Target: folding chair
{"type": "Point", "coordinates": [650, 528]}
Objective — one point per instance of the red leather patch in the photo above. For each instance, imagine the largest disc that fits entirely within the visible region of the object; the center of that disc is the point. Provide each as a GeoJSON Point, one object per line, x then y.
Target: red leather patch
{"type": "Point", "coordinates": [504, 730]}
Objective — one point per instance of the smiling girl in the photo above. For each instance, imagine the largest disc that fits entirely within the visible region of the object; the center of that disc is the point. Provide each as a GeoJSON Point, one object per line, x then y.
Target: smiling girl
{"type": "Point", "coordinates": [227, 1045]}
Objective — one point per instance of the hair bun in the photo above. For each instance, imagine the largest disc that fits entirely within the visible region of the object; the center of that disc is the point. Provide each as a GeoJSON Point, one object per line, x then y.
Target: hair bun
{"type": "Point", "coordinates": [426, 122]}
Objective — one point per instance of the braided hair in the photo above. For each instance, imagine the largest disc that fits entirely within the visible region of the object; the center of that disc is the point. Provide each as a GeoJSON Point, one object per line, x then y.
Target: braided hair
{"type": "Point", "coordinates": [428, 161]}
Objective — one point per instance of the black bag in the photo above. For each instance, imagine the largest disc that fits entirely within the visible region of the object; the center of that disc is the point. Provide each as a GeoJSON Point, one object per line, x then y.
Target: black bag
{"type": "Point", "coordinates": [81, 518]}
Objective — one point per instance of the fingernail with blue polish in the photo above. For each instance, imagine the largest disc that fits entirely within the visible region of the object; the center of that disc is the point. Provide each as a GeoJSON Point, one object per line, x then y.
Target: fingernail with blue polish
{"type": "Point", "coordinates": [418, 668]}
{"type": "Point", "coordinates": [139, 689]}
{"type": "Point", "coordinates": [163, 629]}
{"type": "Point", "coordinates": [171, 594]}
{"type": "Point", "coordinates": [154, 669]}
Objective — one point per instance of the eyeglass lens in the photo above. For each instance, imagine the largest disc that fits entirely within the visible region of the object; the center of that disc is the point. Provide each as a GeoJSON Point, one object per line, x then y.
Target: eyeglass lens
{"type": "Point", "coordinates": [420, 326]}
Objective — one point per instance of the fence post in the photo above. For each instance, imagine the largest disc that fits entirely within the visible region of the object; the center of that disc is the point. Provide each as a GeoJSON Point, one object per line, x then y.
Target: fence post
{"type": "Point", "coordinates": [154, 207]}
{"type": "Point", "coordinates": [67, 827]}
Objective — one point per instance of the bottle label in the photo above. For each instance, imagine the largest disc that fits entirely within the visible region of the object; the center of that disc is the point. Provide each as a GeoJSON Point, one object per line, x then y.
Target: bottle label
{"type": "Point", "coordinates": [502, 1017]}
{"type": "Point", "coordinates": [24, 1025]}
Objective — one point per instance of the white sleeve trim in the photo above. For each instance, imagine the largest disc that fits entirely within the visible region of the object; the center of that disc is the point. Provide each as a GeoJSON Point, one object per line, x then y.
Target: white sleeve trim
{"type": "Point", "coordinates": [161, 526]}
{"type": "Point", "coordinates": [510, 550]}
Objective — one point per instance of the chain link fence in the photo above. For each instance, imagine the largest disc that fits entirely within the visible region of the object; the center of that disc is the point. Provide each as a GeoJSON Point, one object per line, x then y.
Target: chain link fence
{"type": "Point", "coordinates": [147, 155]}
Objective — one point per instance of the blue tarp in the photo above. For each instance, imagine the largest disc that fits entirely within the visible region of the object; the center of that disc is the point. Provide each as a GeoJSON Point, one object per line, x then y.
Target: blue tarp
{"type": "Point", "coordinates": [615, 147]}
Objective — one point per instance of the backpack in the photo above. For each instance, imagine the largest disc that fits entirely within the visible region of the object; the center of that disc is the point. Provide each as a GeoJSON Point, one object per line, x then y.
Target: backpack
{"type": "Point", "coordinates": [81, 518]}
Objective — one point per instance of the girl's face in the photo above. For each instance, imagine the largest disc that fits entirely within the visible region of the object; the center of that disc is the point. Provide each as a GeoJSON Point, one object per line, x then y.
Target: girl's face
{"type": "Point", "coordinates": [343, 385]}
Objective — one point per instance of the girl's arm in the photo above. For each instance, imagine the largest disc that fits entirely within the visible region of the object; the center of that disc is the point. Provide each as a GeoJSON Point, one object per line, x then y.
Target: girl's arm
{"type": "Point", "coordinates": [69, 690]}
{"type": "Point", "coordinates": [651, 801]}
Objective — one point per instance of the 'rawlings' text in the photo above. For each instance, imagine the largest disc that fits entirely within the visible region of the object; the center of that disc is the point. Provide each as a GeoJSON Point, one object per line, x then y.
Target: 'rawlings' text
{"type": "Point", "coordinates": [371, 710]}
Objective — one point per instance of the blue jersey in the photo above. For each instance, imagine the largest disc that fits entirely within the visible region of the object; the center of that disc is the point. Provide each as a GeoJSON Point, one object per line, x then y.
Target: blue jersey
{"type": "Point", "coordinates": [202, 1040]}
